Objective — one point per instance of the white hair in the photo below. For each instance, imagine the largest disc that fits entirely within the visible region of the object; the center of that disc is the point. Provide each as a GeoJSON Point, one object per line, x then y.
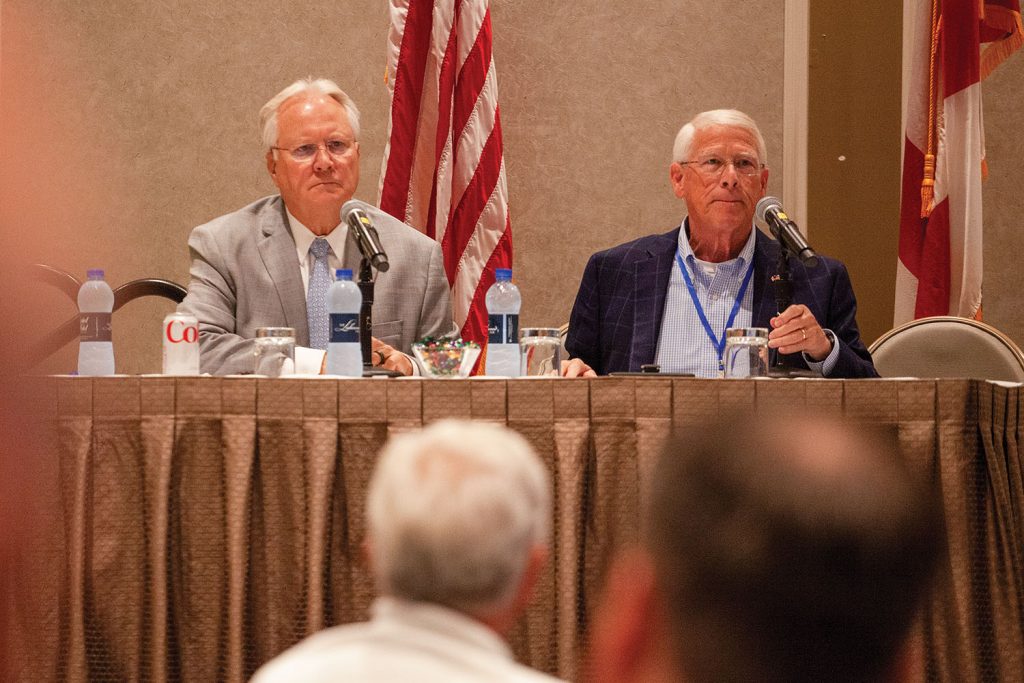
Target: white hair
{"type": "Point", "coordinates": [716, 117]}
{"type": "Point", "coordinates": [453, 512]}
{"type": "Point", "coordinates": [322, 86]}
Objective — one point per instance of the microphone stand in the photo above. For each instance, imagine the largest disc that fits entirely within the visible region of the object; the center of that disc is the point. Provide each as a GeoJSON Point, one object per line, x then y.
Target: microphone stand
{"type": "Point", "coordinates": [366, 283]}
{"type": "Point", "coordinates": [783, 284]}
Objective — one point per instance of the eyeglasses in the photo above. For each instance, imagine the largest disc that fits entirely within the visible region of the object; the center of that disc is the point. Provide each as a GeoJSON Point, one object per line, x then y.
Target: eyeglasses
{"type": "Point", "coordinates": [712, 166]}
{"type": "Point", "coordinates": [335, 148]}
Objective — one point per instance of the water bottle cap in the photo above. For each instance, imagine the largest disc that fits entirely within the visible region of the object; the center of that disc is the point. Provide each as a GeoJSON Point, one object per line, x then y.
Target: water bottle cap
{"type": "Point", "coordinates": [343, 274]}
{"type": "Point", "coordinates": [94, 273]}
{"type": "Point", "coordinates": [502, 274]}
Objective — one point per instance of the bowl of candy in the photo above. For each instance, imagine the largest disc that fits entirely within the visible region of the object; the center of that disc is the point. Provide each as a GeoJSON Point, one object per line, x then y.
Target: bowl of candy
{"type": "Point", "coordinates": [446, 357]}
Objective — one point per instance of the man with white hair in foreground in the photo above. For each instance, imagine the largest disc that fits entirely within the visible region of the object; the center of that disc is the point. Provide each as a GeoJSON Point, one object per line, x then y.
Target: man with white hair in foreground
{"type": "Point", "coordinates": [459, 518]}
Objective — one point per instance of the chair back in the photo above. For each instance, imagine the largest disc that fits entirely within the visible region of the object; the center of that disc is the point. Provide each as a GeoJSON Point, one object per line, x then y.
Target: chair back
{"type": "Point", "coordinates": [947, 346]}
{"type": "Point", "coordinates": [69, 284]}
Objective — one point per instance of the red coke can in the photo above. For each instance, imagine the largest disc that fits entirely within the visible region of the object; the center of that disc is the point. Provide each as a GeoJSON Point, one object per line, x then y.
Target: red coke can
{"type": "Point", "coordinates": [181, 344]}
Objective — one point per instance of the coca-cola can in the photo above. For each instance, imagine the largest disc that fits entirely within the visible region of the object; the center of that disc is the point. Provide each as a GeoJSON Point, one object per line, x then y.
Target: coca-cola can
{"type": "Point", "coordinates": [181, 344]}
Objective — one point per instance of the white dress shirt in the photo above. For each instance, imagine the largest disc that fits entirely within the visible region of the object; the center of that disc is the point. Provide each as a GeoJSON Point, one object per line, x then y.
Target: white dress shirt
{"type": "Point", "coordinates": [402, 642]}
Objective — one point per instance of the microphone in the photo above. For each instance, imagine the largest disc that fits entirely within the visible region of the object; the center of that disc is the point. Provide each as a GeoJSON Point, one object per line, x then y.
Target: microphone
{"type": "Point", "coordinates": [365, 235]}
{"type": "Point", "coordinates": [769, 210]}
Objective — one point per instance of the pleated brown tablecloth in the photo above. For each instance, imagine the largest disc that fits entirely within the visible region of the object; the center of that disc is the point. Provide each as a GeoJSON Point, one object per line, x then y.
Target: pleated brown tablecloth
{"type": "Point", "coordinates": [193, 528]}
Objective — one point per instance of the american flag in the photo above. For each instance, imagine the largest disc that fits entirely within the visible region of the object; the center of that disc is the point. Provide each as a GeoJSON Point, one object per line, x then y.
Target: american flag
{"type": "Point", "coordinates": [950, 46]}
{"type": "Point", "coordinates": [443, 170]}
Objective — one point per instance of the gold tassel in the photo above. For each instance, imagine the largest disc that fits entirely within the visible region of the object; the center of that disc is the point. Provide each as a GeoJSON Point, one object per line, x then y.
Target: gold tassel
{"type": "Point", "coordinates": [928, 186]}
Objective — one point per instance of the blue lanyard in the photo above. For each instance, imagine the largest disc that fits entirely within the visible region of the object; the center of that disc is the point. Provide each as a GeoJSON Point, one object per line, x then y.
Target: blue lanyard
{"type": "Point", "coordinates": [719, 344]}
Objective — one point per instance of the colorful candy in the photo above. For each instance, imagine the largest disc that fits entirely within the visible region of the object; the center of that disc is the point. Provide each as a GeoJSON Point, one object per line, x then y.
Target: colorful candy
{"type": "Point", "coordinates": [444, 357]}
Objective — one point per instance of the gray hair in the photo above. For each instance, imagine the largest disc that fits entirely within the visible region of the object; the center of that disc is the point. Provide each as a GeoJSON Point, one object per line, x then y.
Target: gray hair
{"type": "Point", "coordinates": [323, 86]}
{"type": "Point", "coordinates": [453, 512]}
{"type": "Point", "coordinates": [717, 117]}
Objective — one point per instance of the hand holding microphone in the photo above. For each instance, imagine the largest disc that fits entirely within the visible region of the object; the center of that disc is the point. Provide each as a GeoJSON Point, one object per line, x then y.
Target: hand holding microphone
{"type": "Point", "coordinates": [769, 210]}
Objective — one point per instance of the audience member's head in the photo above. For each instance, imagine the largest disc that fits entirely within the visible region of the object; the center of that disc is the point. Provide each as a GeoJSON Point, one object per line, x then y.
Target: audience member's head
{"type": "Point", "coordinates": [459, 514]}
{"type": "Point", "coordinates": [774, 550]}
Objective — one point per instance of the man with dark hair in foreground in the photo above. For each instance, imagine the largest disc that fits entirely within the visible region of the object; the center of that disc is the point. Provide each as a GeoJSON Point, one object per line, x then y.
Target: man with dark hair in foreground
{"type": "Point", "coordinates": [780, 551]}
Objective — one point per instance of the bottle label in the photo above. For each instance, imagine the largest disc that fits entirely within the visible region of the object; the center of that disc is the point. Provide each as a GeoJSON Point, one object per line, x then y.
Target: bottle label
{"type": "Point", "coordinates": [181, 331]}
{"type": "Point", "coordinates": [94, 327]}
{"type": "Point", "coordinates": [344, 328]}
{"type": "Point", "coordinates": [503, 328]}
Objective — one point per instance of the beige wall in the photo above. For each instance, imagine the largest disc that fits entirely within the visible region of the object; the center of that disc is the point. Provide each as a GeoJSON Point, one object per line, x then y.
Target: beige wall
{"type": "Point", "coordinates": [1003, 290]}
{"type": "Point", "coordinates": [591, 93]}
{"type": "Point", "coordinates": [126, 123]}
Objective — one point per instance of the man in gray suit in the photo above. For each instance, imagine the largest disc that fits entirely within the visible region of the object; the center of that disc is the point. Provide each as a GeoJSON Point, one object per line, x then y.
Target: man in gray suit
{"type": "Point", "coordinates": [253, 267]}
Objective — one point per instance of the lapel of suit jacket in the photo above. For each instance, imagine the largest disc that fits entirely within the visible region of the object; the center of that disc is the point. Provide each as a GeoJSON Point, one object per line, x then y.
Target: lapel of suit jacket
{"type": "Point", "coordinates": [650, 286]}
{"type": "Point", "coordinates": [765, 264]}
{"type": "Point", "coordinates": [277, 249]}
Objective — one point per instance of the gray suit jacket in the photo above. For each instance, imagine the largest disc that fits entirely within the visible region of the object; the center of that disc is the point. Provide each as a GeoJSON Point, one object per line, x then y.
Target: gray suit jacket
{"type": "Point", "coordinates": [245, 275]}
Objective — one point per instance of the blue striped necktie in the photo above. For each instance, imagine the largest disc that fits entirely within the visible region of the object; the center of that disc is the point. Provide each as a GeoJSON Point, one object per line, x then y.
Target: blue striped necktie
{"type": "Point", "coordinates": [316, 297]}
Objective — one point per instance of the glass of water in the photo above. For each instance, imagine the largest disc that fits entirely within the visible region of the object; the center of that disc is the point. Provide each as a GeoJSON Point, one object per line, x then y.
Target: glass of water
{"type": "Point", "coordinates": [540, 351]}
{"type": "Point", "coordinates": [275, 351]}
{"type": "Point", "coordinates": [746, 352]}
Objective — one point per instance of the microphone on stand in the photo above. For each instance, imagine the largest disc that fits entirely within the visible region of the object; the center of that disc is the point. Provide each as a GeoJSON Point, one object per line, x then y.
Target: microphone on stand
{"type": "Point", "coordinates": [769, 210]}
{"type": "Point", "coordinates": [365, 235]}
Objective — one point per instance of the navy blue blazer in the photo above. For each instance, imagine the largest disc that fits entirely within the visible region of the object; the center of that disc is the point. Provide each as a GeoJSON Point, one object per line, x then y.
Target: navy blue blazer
{"type": "Point", "coordinates": [616, 319]}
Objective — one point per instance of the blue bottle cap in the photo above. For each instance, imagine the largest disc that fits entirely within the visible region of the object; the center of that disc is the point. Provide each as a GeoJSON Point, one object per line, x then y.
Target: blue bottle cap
{"type": "Point", "coordinates": [94, 273]}
{"type": "Point", "coordinates": [343, 274]}
{"type": "Point", "coordinates": [502, 274]}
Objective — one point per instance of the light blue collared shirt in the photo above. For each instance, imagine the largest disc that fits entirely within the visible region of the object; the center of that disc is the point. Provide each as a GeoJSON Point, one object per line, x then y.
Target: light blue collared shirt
{"type": "Point", "coordinates": [683, 344]}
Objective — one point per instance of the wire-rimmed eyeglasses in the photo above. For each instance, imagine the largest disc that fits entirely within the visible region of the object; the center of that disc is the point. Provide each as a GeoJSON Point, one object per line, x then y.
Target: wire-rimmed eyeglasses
{"type": "Point", "coordinates": [335, 148]}
{"type": "Point", "coordinates": [713, 166]}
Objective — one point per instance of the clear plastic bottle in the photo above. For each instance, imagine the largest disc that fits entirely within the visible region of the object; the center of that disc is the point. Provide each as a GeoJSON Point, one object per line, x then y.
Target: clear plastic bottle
{"type": "Point", "coordinates": [95, 345]}
{"type": "Point", "coordinates": [503, 303]}
{"type": "Point", "coordinates": [344, 354]}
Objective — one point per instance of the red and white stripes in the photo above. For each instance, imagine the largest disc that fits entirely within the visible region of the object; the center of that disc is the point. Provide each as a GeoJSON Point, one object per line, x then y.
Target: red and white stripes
{"type": "Point", "coordinates": [940, 247]}
{"type": "Point", "coordinates": [443, 169]}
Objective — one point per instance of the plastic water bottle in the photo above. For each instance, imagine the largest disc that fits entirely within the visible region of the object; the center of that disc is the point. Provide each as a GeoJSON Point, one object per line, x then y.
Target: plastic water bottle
{"type": "Point", "coordinates": [95, 345]}
{"type": "Point", "coordinates": [344, 353]}
{"type": "Point", "coordinates": [503, 303]}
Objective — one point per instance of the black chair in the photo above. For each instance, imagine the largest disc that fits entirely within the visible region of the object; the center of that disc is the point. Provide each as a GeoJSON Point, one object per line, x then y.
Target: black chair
{"type": "Point", "coordinates": [69, 284]}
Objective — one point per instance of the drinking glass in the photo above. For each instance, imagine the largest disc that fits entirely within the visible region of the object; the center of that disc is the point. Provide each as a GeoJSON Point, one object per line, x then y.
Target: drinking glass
{"type": "Point", "coordinates": [746, 352]}
{"type": "Point", "coordinates": [274, 354]}
{"type": "Point", "coordinates": [540, 351]}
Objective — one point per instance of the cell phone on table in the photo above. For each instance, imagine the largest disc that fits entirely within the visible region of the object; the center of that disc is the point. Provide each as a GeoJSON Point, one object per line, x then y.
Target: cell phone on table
{"type": "Point", "coordinates": [650, 370]}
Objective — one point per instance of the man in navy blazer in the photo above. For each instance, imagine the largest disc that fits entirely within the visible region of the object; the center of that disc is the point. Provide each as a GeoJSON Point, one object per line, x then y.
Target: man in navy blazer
{"type": "Point", "coordinates": [668, 298]}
